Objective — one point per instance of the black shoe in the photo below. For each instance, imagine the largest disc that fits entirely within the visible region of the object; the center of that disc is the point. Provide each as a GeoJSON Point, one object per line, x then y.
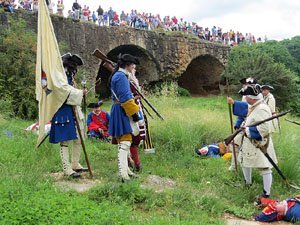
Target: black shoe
{"type": "Point", "coordinates": [134, 176]}
{"type": "Point", "coordinates": [82, 170]}
{"type": "Point", "coordinates": [75, 175]}
{"type": "Point", "coordinates": [137, 168]}
{"type": "Point", "coordinates": [263, 195]}
{"type": "Point", "coordinates": [125, 180]}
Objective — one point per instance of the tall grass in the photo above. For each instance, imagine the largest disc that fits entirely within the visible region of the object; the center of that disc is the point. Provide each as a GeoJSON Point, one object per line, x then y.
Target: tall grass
{"type": "Point", "coordinates": [204, 190]}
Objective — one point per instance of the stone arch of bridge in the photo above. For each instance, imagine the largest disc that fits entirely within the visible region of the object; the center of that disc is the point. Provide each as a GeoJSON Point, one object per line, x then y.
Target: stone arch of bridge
{"type": "Point", "coordinates": [147, 71]}
{"type": "Point", "coordinates": [202, 76]}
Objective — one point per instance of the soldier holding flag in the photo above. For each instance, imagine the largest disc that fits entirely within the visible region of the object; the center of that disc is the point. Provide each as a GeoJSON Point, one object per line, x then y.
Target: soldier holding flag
{"type": "Point", "coordinates": [59, 101]}
{"type": "Point", "coordinates": [63, 127]}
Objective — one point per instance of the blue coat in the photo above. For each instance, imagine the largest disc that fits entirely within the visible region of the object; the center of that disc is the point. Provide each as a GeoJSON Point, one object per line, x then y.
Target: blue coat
{"type": "Point", "coordinates": [119, 123]}
{"type": "Point", "coordinates": [63, 127]}
{"type": "Point", "coordinates": [240, 109]}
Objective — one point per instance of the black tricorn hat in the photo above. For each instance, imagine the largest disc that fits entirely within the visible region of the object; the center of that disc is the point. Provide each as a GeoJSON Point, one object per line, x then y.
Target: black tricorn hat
{"type": "Point", "coordinates": [128, 58]}
{"type": "Point", "coordinates": [267, 87]}
{"type": "Point", "coordinates": [73, 58]}
{"type": "Point", "coordinates": [95, 104]}
{"type": "Point", "coordinates": [253, 89]}
{"type": "Point", "coordinates": [248, 80]}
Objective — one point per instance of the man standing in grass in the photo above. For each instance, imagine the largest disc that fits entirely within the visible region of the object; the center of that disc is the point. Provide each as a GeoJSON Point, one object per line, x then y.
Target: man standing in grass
{"type": "Point", "coordinates": [123, 123]}
{"type": "Point", "coordinates": [270, 101]}
{"type": "Point", "coordinates": [257, 139]}
{"type": "Point", "coordinates": [240, 109]}
{"type": "Point", "coordinates": [63, 128]}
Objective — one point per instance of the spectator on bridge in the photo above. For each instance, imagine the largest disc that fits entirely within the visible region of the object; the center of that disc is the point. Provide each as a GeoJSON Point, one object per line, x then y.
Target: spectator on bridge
{"type": "Point", "coordinates": [27, 6]}
{"type": "Point", "coordinates": [85, 13]}
{"type": "Point", "coordinates": [105, 19]}
{"type": "Point", "coordinates": [76, 7]}
{"type": "Point", "coordinates": [100, 12]}
{"type": "Point", "coordinates": [35, 6]}
{"type": "Point", "coordinates": [116, 18]}
{"type": "Point", "coordinates": [110, 15]}
{"type": "Point", "coordinates": [6, 4]}
{"type": "Point", "coordinates": [71, 14]}
{"type": "Point", "coordinates": [94, 17]}
{"type": "Point", "coordinates": [50, 6]}
{"type": "Point", "coordinates": [133, 16]}
{"type": "Point", "coordinates": [60, 8]}
{"type": "Point", "coordinates": [128, 19]}
{"type": "Point", "coordinates": [214, 31]}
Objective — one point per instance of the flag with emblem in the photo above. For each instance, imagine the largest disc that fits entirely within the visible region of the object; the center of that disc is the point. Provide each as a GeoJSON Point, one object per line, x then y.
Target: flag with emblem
{"type": "Point", "coordinates": [52, 87]}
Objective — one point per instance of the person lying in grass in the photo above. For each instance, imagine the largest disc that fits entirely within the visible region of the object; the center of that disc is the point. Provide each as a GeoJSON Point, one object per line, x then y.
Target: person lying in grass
{"type": "Point", "coordinates": [216, 150]}
{"type": "Point", "coordinates": [287, 210]}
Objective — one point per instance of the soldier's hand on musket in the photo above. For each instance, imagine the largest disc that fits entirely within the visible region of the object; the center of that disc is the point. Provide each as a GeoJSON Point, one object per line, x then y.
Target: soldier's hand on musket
{"type": "Point", "coordinates": [137, 97]}
{"type": "Point", "coordinates": [84, 91]}
{"type": "Point", "coordinates": [230, 100]}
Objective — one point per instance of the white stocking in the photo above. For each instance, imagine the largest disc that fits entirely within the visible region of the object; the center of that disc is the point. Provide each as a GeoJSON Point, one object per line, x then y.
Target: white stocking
{"type": "Point", "coordinates": [247, 175]}
{"type": "Point", "coordinates": [267, 179]}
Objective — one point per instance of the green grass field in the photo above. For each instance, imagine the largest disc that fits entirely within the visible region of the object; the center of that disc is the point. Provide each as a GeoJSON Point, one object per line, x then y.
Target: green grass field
{"type": "Point", "coordinates": [205, 189]}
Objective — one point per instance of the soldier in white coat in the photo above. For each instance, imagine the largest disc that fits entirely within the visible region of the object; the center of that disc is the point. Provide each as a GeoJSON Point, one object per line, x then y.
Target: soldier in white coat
{"type": "Point", "coordinates": [271, 102]}
{"type": "Point", "coordinates": [240, 109]}
{"type": "Point", "coordinates": [256, 139]}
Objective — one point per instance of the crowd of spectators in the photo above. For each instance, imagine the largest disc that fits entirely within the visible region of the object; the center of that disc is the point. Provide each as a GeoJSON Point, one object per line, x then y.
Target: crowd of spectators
{"type": "Point", "coordinates": [147, 21]}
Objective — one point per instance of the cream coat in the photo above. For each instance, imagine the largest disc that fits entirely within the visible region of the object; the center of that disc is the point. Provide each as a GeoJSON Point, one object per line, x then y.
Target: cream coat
{"type": "Point", "coordinates": [270, 101]}
{"type": "Point", "coordinates": [251, 156]}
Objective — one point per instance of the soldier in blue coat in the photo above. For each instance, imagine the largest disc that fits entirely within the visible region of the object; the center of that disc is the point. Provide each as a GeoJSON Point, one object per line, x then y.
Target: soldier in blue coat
{"type": "Point", "coordinates": [124, 119]}
{"type": "Point", "coordinates": [63, 128]}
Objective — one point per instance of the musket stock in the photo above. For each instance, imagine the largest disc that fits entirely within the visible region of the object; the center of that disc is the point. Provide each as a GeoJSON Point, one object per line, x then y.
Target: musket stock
{"type": "Point", "coordinates": [232, 136]}
{"type": "Point", "coordinates": [103, 57]}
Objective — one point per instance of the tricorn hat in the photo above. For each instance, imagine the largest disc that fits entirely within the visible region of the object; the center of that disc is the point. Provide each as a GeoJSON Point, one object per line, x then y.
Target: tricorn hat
{"type": "Point", "coordinates": [67, 57]}
{"type": "Point", "coordinates": [248, 80]}
{"type": "Point", "coordinates": [95, 104]}
{"type": "Point", "coordinates": [128, 58]}
{"type": "Point", "coordinates": [253, 89]}
{"type": "Point", "coordinates": [267, 87]}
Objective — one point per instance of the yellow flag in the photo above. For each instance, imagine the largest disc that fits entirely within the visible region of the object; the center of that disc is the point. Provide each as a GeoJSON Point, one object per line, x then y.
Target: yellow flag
{"type": "Point", "coordinates": [52, 88]}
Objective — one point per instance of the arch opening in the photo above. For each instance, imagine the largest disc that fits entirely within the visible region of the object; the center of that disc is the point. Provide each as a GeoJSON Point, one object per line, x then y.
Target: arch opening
{"type": "Point", "coordinates": [147, 70]}
{"type": "Point", "coordinates": [202, 76]}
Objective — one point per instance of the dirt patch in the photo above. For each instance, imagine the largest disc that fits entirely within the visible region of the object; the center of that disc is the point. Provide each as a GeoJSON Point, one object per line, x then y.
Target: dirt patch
{"type": "Point", "coordinates": [159, 184]}
{"type": "Point", "coordinates": [80, 185]}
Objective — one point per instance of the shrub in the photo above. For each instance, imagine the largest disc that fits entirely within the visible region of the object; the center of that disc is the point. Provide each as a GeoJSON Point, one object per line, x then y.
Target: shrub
{"type": "Point", "coordinates": [17, 69]}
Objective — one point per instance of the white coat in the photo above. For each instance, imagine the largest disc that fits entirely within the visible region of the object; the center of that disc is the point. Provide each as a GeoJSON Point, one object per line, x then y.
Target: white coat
{"type": "Point", "coordinates": [270, 101]}
{"type": "Point", "coordinates": [250, 155]}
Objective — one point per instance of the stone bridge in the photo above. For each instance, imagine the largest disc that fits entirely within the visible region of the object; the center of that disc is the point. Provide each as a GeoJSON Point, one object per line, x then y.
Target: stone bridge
{"type": "Point", "coordinates": [195, 64]}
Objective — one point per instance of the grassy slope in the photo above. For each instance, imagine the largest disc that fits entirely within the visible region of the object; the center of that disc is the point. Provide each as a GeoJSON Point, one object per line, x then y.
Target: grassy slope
{"type": "Point", "coordinates": [204, 187]}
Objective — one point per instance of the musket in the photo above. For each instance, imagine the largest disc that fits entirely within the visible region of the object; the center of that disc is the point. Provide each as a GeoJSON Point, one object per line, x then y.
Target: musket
{"type": "Point", "coordinates": [278, 170]}
{"type": "Point", "coordinates": [103, 57]}
{"type": "Point", "coordinates": [144, 107]}
{"type": "Point", "coordinates": [146, 100]}
{"type": "Point", "coordinates": [232, 136]}
{"type": "Point", "coordinates": [110, 66]}
{"type": "Point", "coordinates": [292, 121]}
{"type": "Point", "coordinates": [94, 85]}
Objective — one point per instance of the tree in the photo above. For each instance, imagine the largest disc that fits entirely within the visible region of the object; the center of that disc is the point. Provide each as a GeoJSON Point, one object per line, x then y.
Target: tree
{"type": "Point", "coordinates": [254, 61]}
{"type": "Point", "coordinates": [17, 69]}
{"type": "Point", "coordinates": [280, 54]}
